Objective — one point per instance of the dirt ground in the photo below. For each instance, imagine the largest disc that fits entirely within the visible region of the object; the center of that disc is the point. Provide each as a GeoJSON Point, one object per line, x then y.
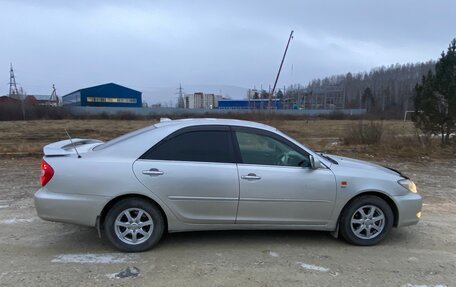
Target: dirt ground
{"type": "Point", "coordinates": [40, 253]}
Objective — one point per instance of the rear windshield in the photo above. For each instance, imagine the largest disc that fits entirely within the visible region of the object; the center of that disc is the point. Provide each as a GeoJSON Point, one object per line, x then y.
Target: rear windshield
{"type": "Point", "coordinates": [123, 137]}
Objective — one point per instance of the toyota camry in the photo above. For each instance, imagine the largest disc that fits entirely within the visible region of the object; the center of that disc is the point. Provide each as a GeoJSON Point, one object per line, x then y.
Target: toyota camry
{"type": "Point", "coordinates": [218, 174]}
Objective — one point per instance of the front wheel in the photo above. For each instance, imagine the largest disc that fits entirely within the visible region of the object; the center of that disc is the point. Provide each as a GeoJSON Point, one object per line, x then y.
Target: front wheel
{"type": "Point", "coordinates": [367, 220]}
{"type": "Point", "coordinates": [133, 225]}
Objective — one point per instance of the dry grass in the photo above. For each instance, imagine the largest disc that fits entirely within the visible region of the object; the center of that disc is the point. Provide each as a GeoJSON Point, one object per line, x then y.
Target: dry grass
{"type": "Point", "coordinates": [369, 133]}
{"type": "Point", "coordinates": [28, 138]}
{"type": "Point", "coordinates": [18, 138]}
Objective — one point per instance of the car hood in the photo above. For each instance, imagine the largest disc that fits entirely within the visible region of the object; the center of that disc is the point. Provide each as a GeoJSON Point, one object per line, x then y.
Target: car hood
{"type": "Point", "coordinates": [361, 164]}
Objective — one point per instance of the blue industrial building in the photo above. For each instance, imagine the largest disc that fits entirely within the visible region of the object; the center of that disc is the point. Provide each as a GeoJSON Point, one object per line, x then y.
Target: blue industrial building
{"type": "Point", "coordinates": [257, 104]}
{"type": "Point", "coordinates": [107, 95]}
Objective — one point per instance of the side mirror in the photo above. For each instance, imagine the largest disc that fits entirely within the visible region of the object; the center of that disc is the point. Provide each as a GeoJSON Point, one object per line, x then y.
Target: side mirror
{"type": "Point", "coordinates": [315, 162]}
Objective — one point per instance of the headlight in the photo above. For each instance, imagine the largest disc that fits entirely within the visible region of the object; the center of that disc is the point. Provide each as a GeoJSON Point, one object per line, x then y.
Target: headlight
{"type": "Point", "coordinates": [408, 184]}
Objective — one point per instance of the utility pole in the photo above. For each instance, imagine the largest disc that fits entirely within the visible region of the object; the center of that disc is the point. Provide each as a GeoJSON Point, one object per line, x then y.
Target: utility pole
{"type": "Point", "coordinates": [53, 99]}
{"type": "Point", "coordinates": [181, 100]}
{"type": "Point", "coordinates": [280, 68]}
{"type": "Point", "coordinates": [343, 101]}
{"type": "Point", "coordinates": [22, 99]}
{"type": "Point", "coordinates": [13, 92]}
{"type": "Point", "coordinates": [180, 91]}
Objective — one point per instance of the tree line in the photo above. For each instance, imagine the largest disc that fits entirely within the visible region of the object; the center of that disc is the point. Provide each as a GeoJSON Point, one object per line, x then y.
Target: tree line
{"type": "Point", "coordinates": [428, 89]}
{"type": "Point", "coordinates": [386, 90]}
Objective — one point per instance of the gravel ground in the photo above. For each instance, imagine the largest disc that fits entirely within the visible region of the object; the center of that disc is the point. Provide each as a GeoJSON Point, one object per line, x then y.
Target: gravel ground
{"type": "Point", "coordinates": [35, 252]}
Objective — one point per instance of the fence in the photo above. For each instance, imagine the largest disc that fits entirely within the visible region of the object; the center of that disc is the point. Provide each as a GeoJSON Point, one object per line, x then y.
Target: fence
{"type": "Point", "coordinates": [91, 111]}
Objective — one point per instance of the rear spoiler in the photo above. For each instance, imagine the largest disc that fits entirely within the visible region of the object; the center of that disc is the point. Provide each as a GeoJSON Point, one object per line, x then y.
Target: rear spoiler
{"type": "Point", "coordinates": [66, 147]}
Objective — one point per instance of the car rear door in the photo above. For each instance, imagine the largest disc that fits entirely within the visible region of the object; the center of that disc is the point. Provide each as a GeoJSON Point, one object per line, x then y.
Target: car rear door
{"type": "Point", "coordinates": [194, 172]}
{"type": "Point", "coordinates": [277, 184]}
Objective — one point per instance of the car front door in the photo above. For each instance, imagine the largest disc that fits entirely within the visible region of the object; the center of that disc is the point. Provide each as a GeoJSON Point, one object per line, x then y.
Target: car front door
{"type": "Point", "coordinates": [277, 183]}
{"type": "Point", "coordinates": [194, 172]}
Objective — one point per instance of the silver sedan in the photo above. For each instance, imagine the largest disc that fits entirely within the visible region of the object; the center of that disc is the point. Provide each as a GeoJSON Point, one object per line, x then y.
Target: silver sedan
{"type": "Point", "coordinates": [217, 174]}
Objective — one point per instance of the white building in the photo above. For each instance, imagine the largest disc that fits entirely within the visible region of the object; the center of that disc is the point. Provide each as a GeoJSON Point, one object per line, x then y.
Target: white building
{"type": "Point", "coordinates": [201, 101]}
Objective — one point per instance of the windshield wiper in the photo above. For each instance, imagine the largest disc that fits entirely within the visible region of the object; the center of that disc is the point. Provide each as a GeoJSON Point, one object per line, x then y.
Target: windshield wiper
{"type": "Point", "coordinates": [329, 158]}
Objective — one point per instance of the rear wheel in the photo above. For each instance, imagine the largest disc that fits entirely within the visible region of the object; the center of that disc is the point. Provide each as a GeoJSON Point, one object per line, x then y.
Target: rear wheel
{"type": "Point", "coordinates": [134, 225]}
{"type": "Point", "coordinates": [367, 220]}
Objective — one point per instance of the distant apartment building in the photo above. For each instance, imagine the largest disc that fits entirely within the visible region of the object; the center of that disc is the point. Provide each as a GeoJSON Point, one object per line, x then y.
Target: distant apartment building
{"type": "Point", "coordinates": [201, 101]}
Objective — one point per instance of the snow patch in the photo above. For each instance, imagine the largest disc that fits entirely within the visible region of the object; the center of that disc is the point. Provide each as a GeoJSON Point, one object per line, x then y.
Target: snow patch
{"type": "Point", "coordinates": [273, 254]}
{"type": "Point", "coordinates": [103, 258]}
{"type": "Point", "coordinates": [2, 275]}
{"type": "Point", "coordinates": [313, 267]}
{"type": "Point", "coordinates": [4, 206]}
{"type": "Point", "coordinates": [419, 285]}
{"type": "Point", "coordinates": [17, 220]}
{"type": "Point", "coordinates": [112, 276]}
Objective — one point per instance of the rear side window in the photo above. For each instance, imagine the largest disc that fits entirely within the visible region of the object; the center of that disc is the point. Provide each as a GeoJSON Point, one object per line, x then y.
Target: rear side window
{"type": "Point", "coordinates": [202, 146]}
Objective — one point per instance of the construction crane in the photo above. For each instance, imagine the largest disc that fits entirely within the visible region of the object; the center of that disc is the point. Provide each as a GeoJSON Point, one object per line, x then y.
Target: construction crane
{"type": "Point", "coordinates": [278, 73]}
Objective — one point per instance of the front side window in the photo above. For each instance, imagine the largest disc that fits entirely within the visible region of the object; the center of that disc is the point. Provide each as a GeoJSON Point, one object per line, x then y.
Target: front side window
{"type": "Point", "coordinates": [202, 146]}
{"type": "Point", "coordinates": [265, 150]}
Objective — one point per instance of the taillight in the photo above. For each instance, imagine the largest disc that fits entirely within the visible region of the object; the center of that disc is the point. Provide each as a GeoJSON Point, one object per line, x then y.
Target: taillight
{"type": "Point", "coordinates": [46, 173]}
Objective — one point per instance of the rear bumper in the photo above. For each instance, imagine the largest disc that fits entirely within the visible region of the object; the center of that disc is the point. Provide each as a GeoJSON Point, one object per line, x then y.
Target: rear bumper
{"type": "Point", "coordinates": [408, 206]}
{"type": "Point", "coordinates": [79, 209]}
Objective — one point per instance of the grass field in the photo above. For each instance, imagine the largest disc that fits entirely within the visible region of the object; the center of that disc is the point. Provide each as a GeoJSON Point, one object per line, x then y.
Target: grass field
{"type": "Point", "coordinates": [399, 139]}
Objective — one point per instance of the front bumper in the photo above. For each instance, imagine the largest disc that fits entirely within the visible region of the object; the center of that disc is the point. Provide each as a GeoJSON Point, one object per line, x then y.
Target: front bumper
{"type": "Point", "coordinates": [79, 209]}
{"type": "Point", "coordinates": [408, 206]}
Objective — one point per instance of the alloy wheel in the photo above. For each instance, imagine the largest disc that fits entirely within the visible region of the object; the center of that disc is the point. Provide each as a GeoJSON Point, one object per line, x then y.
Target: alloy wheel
{"type": "Point", "coordinates": [134, 226]}
{"type": "Point", "coordinates": [367, 222]}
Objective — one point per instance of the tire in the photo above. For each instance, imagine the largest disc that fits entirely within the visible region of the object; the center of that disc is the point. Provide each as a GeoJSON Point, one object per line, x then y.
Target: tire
{"type": "Point", "coordinates": [361, 221]}
{"type": "Point", "coordinates": [138, 232]}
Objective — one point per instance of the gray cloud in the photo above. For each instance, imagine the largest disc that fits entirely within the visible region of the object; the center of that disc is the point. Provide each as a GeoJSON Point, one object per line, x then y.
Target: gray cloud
{"type": "Point", "coordinates": [145, 44]}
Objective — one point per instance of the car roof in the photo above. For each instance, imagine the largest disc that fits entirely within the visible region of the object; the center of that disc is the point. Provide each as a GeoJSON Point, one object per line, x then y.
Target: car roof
{"type": "Point", "coordinates": [210, 121]}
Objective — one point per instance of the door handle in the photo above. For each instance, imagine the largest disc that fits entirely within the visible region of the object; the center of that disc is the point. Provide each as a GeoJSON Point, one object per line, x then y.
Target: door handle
{"type": "Point", "coordinates": [251, 176]}
{"type": "Point", "coordinates": [153, 172]}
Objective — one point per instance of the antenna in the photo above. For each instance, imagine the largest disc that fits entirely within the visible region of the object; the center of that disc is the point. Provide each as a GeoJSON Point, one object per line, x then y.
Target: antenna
{"type": "Point", "coordinates": [74, 146]}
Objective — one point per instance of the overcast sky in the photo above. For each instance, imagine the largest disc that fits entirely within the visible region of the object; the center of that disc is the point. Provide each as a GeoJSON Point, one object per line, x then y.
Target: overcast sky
{"type": "Point", "coordinates": [148, 44]}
